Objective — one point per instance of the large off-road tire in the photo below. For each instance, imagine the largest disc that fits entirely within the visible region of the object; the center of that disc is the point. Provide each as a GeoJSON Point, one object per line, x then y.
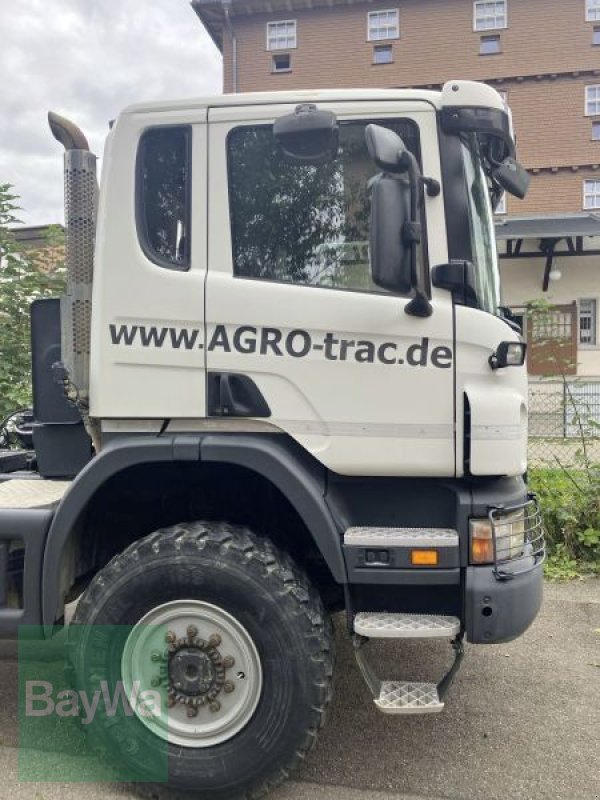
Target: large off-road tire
{"type": "Point", "coordinates": [220, 581]}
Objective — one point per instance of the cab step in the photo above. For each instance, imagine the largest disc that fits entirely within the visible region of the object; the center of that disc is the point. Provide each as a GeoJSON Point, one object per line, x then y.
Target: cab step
{"type": "Point", "coordinates": [396, 697]}
{"type": "Point", "coordinates": [407, 697]}
{"type": "Point", "coordinates": [383, 625]}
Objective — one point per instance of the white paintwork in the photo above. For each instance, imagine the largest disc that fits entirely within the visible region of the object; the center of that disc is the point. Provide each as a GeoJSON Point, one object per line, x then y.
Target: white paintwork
{"type": "Point", "coordinates": [362, 419]}
{"type": "Point", "coordinates": [356, 418]}
{"type": "Point", "coordinates": [498, 399]}
{"type": "Point", "coordinates": [138, 381]}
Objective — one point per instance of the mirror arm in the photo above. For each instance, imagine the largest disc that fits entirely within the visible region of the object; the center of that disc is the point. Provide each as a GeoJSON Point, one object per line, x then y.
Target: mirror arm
{"type": "Point", "coordinates": [419, 306]}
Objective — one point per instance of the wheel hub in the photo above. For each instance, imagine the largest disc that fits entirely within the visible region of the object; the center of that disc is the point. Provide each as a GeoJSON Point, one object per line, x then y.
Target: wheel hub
{"type": "Point", "coordinates": [196, 671]}
{"type": "Point", "coordinates": [191, 672]}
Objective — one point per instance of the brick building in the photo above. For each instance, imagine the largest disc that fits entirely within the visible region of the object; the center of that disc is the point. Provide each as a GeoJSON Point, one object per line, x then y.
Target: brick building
{"type": "Point", "coordinates": [543, 55]}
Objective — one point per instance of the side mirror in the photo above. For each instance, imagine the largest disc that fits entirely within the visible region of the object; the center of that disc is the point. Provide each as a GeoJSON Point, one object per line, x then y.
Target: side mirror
{"type": "Point", "coordinates": [386, 148]}
{"type": "Point", "coordinates": [511, 176]}
{"type": "Point", "coordinates": [391, 265]}
{"type": "Point", "coordinates": [307, 136]}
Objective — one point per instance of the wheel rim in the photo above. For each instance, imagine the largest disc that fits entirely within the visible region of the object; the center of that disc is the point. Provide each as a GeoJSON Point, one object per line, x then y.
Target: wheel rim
{"type": "Point", "coordinates": [201, 663]}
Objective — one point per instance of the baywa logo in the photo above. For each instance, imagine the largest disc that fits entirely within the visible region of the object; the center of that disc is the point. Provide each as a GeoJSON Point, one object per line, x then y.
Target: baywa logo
{"type": "Point", "coordinates": [296, 343]}
{"type": "Point", "coordinates": [43, 700]}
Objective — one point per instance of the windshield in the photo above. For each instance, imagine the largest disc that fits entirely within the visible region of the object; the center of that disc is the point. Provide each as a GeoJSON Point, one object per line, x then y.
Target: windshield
{"type": "Point", "coordinates": [481, 227]}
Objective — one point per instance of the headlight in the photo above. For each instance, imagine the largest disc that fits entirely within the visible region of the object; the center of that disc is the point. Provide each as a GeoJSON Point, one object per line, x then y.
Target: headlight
{"type": "Point", "coordinates": [509, 532]}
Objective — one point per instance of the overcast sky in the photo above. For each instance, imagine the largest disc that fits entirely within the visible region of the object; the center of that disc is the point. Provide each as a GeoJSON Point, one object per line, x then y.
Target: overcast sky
{"type": "Point", "coordinates": [87, 59]}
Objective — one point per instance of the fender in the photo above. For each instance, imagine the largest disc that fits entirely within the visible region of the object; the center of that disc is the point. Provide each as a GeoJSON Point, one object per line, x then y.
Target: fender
{"type": "Point", "coordinates": [275, 457]}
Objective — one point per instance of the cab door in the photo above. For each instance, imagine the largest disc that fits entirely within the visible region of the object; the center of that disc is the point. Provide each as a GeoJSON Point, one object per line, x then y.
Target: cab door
{"type": "Point", "coordinates": [341, 368]}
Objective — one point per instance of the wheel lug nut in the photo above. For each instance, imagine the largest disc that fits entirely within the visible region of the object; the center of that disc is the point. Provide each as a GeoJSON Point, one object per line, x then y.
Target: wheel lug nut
{"type": "Point", "coordinates": [228, 662]}
{"type": "Point", "coordinates": [215, 640]}
{"type": "Point", "coordinates": [192, 631]}
{"type": "Point", "coordinates": [228, 687]}
{"type": "Point", "coordinates": [156, 681]}
{"type": "Point", "coordinates": [156, 656]}
{"type": "Point", "coordinates": [170, 638]}
{"type": "Point", "coordinates": [192, 712]}
{"type": "Point", "coordinates": [215, 706]}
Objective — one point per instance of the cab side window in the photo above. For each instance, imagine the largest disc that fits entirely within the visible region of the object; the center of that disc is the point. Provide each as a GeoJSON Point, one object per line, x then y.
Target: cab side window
{"type": "Point", "coordinates": [163, 195]}
{"type": "Point", "coordinates": [304, 224]}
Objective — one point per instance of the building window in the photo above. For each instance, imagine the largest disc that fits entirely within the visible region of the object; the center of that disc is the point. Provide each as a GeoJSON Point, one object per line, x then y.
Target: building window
{"type": "Point", "coordinates": [591, 194]}
{"type": "Point", "coordinates": [163, 196]}
{"type": "Point", "coordinates": [383, 25]}
{"type": "Point", "coordinates": [305, 224]}
{"type": "Point", "coordinates": [281, 35]}
{"type": "Point", "coordinates": [281, 63]}
{"type": "Point", "coordinates": [587, 321]}
{"type": "Point", "coordinates": [382, 54]}
{"type": "Point", "coordinates": [504, 95]}
{"type": "Point", "coordinates": [592, 100]}
{"type": "Point", "coordinates": [592, 10]}
{"type": "Point", "coordinates": [489, 15]}
{"type": "Point", "coordinates": [596, 35]}
{"type": "Point", "coordinates": [596, 131]}
{"type": "Point", "coordinates": [489, 45]}
{"type": "Point", "coordinates": [501, 207]}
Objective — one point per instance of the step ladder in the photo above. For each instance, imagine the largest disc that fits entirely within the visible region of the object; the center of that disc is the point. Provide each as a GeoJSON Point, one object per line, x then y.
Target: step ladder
{"type": "Point", "coordinates": [404, 697]}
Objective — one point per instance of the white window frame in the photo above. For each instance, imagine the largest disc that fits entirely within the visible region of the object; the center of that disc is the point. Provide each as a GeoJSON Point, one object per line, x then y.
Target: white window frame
{"type": "Point", "coordinates": [592, 10]}
{"type": "Point", "coordinates": [593, 193]}
{"type": "Point", "coordinates": [287, 46]}
{"type": "Point", "coordinates": [501, 207]}
{"type": "Point", "coordinates": [280, 54]}
{"type": "Point", "coordinates": [489, 37]}
{"type": "Point", "coordinates": [592, 313]}
{"type": "Point", "coordinates": [596, 100]}
{"type": "Point", "coordinates": [372, 14]}
{"type": "Point", "coordinates": [595, 124]}
{"type": "Point", "coordinates": [380, 46]}
{"type": "Point", "coordinates": [477, 4]}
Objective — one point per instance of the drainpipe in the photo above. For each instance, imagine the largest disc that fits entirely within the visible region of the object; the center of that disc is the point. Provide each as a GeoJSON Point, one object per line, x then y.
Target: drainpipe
{"type": "Point", "coordinates": [226, 6]}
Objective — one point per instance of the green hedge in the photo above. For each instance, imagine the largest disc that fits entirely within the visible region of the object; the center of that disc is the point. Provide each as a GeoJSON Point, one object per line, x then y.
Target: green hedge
{"type": "Point", "coordinates": [570, 502]}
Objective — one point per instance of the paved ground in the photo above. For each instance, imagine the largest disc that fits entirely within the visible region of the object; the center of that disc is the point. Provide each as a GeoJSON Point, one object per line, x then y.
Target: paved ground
{"type": "Point", "coordinates": [521, 721]}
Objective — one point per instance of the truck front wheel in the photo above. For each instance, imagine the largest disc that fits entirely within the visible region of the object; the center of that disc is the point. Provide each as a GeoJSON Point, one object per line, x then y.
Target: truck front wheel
{"type": "Point", "coordinates": [224, 652]}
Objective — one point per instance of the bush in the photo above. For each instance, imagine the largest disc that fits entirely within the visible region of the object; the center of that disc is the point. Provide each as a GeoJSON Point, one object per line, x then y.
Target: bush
{"type": "Point", "coordinates": [570, 502]}
{"type": "Point", "coordinates": [25, 275]}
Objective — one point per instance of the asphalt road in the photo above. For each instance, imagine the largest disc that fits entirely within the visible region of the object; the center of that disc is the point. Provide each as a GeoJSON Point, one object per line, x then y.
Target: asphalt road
{"type": "Point", "coordinates": [522, 720]}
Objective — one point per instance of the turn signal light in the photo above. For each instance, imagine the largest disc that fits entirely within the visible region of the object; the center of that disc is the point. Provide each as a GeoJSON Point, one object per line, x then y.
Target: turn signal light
{"type": "Point", "coordinates": [424, 558]}
{"type": "Point", "coordinates": [482, 545]}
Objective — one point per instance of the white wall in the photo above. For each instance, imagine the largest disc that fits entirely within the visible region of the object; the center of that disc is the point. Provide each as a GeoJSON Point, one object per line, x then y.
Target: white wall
{"type": "Point", "coordinates": [522, 282]}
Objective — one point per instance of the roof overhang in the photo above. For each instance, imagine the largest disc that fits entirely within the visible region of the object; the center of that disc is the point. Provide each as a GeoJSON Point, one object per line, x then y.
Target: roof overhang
{"type": "Point", "coordinates": [548, 236]}
{"type": "Point", "coordinates": [548, 226]}
{"type": "Point", "coordinates": [212, 12]}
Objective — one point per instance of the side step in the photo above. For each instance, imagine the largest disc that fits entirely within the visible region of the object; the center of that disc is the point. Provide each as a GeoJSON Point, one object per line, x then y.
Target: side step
{"type": "Point", "coordinates": [408, 698]}
{"type": "Point", "coordinates": [381, 625]}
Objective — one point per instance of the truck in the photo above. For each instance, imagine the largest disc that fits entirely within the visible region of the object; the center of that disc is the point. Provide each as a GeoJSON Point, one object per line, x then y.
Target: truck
{"type": "Point", "coordinates": [280, 385]}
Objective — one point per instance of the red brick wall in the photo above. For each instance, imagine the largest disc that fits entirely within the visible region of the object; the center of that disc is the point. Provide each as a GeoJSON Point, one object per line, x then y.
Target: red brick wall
{"type": "Point", "coordinates": [544, 38]}
{"type": "Point", "coordinates": [436, 43]}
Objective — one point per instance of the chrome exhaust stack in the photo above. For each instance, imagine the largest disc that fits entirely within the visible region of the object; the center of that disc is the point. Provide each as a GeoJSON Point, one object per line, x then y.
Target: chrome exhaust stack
{"type": "Point", "coordinates": [81, 198]}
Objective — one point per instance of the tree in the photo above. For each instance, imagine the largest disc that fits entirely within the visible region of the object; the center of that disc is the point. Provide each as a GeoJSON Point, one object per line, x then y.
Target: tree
{"type": "Point", "coordinates": [25, 275]}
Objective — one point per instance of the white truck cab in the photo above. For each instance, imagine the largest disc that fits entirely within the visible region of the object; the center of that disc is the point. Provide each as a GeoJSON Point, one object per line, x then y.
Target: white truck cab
{"type": "Point", "coordinates": [297, 392]}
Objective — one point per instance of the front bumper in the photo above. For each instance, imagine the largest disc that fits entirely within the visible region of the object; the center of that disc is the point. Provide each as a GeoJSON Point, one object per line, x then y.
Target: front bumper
{"type": "Point", "coordinates": [498, 611]}
{"type": "Point", "coordinates": [503, 599]}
